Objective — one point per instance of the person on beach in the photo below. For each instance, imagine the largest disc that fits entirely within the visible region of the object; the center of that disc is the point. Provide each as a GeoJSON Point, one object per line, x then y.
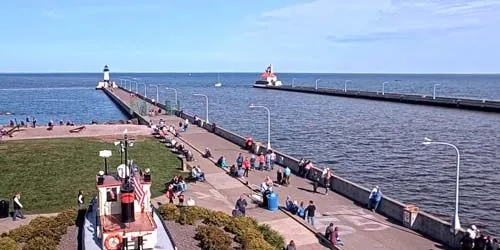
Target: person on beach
{"type": "Point", "coordinates": [374, 198]}
{"type": "Point", "coordinates": [310, 210]}
{"type": "Point", "coordinates": [80, 200]}
{"type": "Point", "coordinates": [18, 207]}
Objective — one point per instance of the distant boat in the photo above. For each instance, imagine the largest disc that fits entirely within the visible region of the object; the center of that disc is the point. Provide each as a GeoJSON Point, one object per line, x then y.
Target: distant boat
{"type": "Point", "coordinates": [268, 78]}
{"type": "Point", "coordinates": [218, 83]}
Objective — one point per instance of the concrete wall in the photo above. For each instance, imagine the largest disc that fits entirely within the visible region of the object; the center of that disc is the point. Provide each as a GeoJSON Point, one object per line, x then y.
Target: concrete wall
{"type": "Point", "coordinates": [462, 103]}
{"type": "Point", "coordinates": [142, 120]}
{"type": "Point", "coordinates": [425, 223]}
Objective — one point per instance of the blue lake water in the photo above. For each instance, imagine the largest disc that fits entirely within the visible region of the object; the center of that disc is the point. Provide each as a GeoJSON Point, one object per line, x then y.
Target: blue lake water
{"type": "Point", "coordinates": [368, 142]}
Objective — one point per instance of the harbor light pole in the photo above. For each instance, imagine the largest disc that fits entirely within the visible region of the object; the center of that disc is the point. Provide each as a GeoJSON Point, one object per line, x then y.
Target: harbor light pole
{"type": "Point", "coordinates": [455, 221]}
{"type": "Point", "coordinates": [434, 91]}
{"type": "Point", "coordinates": [293, 82]}
{"type": "Point", "coordinates": [345, 85]}
{"type": "Point", "coordinates": [105, 154]}
{"type": "Point", "coordinates": [145, 89]}
{"type": "Point", "coordinates": [157, 90]}
{"type": "Point", "coordinates": [206, 104]}
{"type": "Point", "coordinates": [268, 122]}
{"type": "Point", "coordinates": [383, 87]}
{"type": "Point", "coordinates": [317, 80]}
{"type": "Point", "coordinates": [175, 92]}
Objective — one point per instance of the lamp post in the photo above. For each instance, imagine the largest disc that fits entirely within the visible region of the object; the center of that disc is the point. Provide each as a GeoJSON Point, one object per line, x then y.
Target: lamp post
{"type": "Point", "coordinates": [455, 220]}
{"type": "Point", "coordinates": [175, 92]}
{"type": "Point", "coordinates": [317, 80]}
{"type": "Point", "coordinates": [268, 122]}
{"type": "Point", "coordinates": [105, 154]}
{"type": "Point", "coordinates": [383, 87]}
{"type": "Point", "coordinates": [293, 82]}
{"type": "Point", "coordinates": [434, 91]}
{"type": "Point", "coordinates": [145, 89]}
{"type": "Point", "coordinates": [157, 90]}
{"type": "Point", "coordinates": [206, 104]}
{"type": "Point", "coordinates": [345, 85]}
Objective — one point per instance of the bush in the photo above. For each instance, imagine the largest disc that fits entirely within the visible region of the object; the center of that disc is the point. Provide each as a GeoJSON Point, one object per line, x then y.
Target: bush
{"type": "Point", "coordinates": [272, 237]}
{"type": "Point", "coordinates": [22, 233]}
{"type": "Point", "coordinates": [48, 227]}
{"type": "Point", "coordinates": [187, 216]}
{"type": "Point", "coordinates": [169, 212]}
{"type": "Point", "coordinates": [218, 219]}
{"type": "Point", "coordinates": [259, 243]}
{"type": "Point", "coordinates": [7, 243]}
{"type": "Point", "coordinates": [213, 238]}
{"type": "Point", "coordinates": [67, 217]}
{"type": "Point", "coordinates": [40, 243]}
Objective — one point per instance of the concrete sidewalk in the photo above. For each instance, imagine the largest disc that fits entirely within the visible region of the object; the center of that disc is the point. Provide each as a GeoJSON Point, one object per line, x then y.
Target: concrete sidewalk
{"type": "Point", "coordinates": [359, 228]}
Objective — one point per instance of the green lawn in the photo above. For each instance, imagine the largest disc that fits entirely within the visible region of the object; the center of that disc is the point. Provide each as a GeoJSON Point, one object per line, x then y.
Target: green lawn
{"type": "Point", "coordinates": [49, 172]}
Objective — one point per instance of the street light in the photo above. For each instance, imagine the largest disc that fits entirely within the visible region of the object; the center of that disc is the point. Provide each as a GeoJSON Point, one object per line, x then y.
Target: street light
{"type": "Point", "coordinates": [268, 123]}
{"type": "Point", "coordinates": [175, 92]}
{"type": "Point", "coordinates": [434, 92]}
{"type": "Point", "coordinates": [105, 154]}
{"type": "Point", "coordinates": [455, 220]}
{"type": "Point", "coordinates": [317, 80]}
{"type": "Point", "coordinates": [345, 85]}
{"type": "Point", "coordinates": [206, 104]}
{"type": "Point", "coordinates": [293, 82]}
{"type": "Point", "coordinates": [145, 89]}
{"type": "Point", "coordinates": [157, 89]}
{"type": "Point", "coordinates": [383, 87]}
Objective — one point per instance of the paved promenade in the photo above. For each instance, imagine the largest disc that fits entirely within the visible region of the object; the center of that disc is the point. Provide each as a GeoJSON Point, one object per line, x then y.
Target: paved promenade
{"type": "Point", "coordinates": [359, 227]}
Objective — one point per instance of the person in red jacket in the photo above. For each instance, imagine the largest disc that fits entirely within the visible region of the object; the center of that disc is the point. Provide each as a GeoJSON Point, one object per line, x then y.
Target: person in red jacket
{"type": "Point", "coordinates": [246, 166]}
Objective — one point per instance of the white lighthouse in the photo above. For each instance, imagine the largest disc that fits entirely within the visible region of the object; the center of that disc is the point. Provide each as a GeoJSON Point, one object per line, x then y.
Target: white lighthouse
{"type": "Point", "coordinates": [106, 83]}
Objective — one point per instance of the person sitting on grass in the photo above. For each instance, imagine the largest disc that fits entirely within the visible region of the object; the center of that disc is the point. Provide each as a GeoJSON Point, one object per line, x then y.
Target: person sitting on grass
{"type": "Point", "coordinates": [222, 162]}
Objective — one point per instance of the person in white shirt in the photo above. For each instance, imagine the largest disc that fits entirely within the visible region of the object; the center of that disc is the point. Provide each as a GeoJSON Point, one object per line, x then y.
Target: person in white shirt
{"type": "Point", "coordinates": [80, 200]}
{"type": "Point", "coordinates": [18, 207]}
{"type": "Point", "coordinates": [273, 159]}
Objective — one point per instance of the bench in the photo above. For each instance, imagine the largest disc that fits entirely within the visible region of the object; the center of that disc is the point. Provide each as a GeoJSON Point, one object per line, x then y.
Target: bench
{"type": "Point", "coordinates": [77, 130]}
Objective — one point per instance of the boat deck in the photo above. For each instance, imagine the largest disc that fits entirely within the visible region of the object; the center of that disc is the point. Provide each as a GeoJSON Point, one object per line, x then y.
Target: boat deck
{"type": "Point", "coordinates": [143, 223]}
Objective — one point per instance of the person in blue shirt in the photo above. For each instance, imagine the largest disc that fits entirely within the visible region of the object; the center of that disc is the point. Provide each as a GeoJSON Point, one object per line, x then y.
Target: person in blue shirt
{"type": "Point", "coordinates": [239, 161]}
{"type": "Point", "coordinates": [287, 174]}
{"type": "Point", "coordinates": [222, 162]}
{"type": "Point", "coordinates": [374, 198]}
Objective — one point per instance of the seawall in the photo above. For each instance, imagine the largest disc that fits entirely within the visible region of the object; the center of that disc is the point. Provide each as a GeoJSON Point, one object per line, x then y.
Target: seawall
{"type": "Point", "coordinates": [424, 223]}
{"type": "Point", "coordinates": [449, 102]}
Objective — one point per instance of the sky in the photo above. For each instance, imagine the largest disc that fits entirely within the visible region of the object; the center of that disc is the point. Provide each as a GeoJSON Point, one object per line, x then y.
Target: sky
{"type": "Point", "coordinates": [333, 36]}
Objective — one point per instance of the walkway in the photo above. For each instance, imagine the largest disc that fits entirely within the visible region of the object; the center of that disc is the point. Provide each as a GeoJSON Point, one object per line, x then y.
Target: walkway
{"type": "Point", "coordinates": [359, 227]}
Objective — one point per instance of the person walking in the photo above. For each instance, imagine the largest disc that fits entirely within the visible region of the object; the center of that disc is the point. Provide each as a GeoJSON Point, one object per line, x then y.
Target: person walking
{"type": "Point", "coordinates": [327, 175]}
{"type": "Point", "coordinates": [310, 210]}
{"type": "Point", "coordinates": [246, 166]}
{"type": "Point", "coordinates": [241, 205]}
{"type": "Point", "coordinates": [80, 200]}
{"type": "Point", "coordinates": [291, 246]}
{"type": "Point", "coordinates": [287, 173]}
{"type": "Point", "coordinates": [18, 207]}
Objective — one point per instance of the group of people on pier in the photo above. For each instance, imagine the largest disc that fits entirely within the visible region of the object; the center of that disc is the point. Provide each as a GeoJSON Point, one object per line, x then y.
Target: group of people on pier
{"type": "Point", "coordinates": [474, 239]}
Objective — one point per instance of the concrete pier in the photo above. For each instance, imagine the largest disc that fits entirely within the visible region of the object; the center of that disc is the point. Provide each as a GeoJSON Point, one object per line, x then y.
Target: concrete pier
{"type": "Point", "coordinates": [393, 227]}
{"type": "Point", "coordinates": [449, 102]}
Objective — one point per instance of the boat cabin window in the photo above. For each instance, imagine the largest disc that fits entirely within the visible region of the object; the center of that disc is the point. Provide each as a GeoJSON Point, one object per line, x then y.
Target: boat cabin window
{"type": "Point", "coordinates": [111, 194]}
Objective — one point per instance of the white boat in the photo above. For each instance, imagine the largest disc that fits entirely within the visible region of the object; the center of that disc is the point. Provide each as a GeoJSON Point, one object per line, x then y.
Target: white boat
{"type": "Point", "coordinates": [106, 83]}
{"type": "Point", "coordinates": [218, 83]}
{"type": "Point", "coordinates": [268, 78]}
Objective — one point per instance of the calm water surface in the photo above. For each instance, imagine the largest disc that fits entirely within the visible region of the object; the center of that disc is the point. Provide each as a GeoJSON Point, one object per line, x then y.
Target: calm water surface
{"type": "Point", "coordinates": [368, 142]}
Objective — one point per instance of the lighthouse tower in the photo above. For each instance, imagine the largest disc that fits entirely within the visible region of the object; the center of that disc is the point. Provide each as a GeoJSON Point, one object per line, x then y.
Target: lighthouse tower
{"type": "Point", "coordinates": [106, 82]}
{"type": "Point", "coordinates": [106, 73]}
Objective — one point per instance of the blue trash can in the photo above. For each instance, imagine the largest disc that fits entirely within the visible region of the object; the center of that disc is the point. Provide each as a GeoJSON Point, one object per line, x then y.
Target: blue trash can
{"type": "Point", "coordinates": [272, 202]}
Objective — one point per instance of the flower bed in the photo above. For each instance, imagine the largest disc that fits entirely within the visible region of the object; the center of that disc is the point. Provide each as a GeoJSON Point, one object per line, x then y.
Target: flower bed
{"type": "Point", "coordinates": [42, 233]}
{"type": "Point", "coordinates": [219, 230]}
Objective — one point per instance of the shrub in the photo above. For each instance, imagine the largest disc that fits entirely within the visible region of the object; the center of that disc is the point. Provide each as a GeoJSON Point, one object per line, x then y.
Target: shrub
{"type": "Point", "coordinates": [7, 243]}
{"type": "Point", "coordinates": [213, 238]}
{"type": "Point", "coordinates": [169, 211]}
{"type": "Point", "coordinates": [67, 217]}
{"type": "Point", "coordinates": [272, 237]}
{"type": "Point", "coordinates": [259, 243]}
{"type": "Point", "coordinates": [22, 233]}
{"type": "Point", "coordinates": [40, 243]}
{"type": "Point", "coordinates": [218, 219]}
{"type": "Point", "coordinates": [48, 227]}
{"type": "Point", "coordinates": [187, 216]}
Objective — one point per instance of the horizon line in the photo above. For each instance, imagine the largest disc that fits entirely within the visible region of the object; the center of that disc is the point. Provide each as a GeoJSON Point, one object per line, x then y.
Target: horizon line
{"type": "Point", "coordinates": [248, 72]}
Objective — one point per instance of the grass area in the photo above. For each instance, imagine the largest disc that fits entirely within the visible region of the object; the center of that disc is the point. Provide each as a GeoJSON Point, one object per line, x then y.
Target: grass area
{"type": "Point", "coordinates": [49, 172]}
